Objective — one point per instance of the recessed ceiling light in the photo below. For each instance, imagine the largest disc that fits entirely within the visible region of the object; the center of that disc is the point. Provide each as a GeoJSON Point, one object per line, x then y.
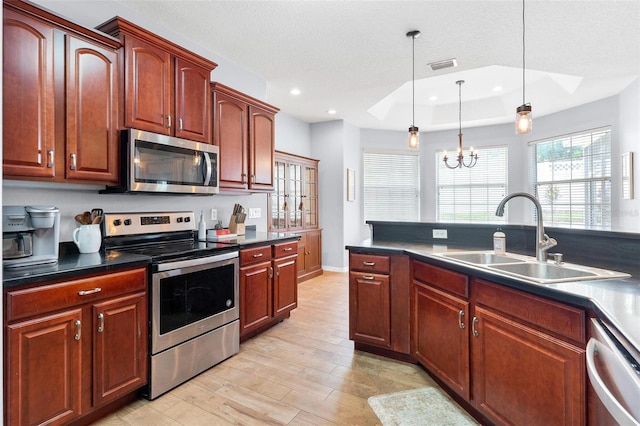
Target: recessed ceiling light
{"type": "Point", "coordinates": [295, 92]}
{"type": "Point", "coordinates": [497, 88]}
{"type": "Point", "coordinates": [331, 111]}
{"type": "Point", "coordinates": [433, 98]}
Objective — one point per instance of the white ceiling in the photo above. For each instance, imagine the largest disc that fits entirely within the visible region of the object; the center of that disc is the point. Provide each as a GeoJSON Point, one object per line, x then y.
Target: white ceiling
{"type": "Point", "coordinates": [353, 55]}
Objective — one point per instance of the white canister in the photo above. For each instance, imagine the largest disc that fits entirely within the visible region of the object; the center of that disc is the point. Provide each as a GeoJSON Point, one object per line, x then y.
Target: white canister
{"type": "Point", "coordinates": [88, 238]}
{"type": "Point", "coordinates": [499, 242]}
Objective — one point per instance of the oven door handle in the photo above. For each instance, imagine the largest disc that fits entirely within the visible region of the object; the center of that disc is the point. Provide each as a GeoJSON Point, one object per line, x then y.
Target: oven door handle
{"type": "Point", "coordinates": [207, 168]}
{"type": "Point", "coordinates": [619, 369]}
{"type": "Point", "coordinates": [195, 262]}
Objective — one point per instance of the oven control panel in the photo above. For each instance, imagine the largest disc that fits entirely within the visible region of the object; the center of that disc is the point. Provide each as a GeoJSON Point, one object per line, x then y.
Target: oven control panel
{"type": "Point", "coordinates": [119, 224]}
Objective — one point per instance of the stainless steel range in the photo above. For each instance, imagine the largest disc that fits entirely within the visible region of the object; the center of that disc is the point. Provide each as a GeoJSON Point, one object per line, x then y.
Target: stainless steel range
{"type": "Point", "coordinates": [193, 299]}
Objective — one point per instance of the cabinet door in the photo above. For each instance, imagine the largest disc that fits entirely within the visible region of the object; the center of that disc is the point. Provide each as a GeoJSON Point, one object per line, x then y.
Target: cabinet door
{"type": "Point", "coordinates": [261, 148]}
{"type": "Point", "coordinates": [43, 369]}
{"type": "Point", "coordinates": [285, 285]}
{"type": "Point", "coordinates": [523, 376]}
{"type": "Point", "coordinates": [256, 307]}
{"type": "Point", "coordinates": [441, 336]}
{"type": "Point", "coordinates": [148, 87]}
{"type": "Point", "coordinates": [119, 346]}
{"type": "Point", "coordinates": [278, 199]}
{"type": "Point", "coordinates": [369, 309]}
{"type": "Point", "coordinates": [230, 134]}
{"type": "Point", "coordinates": [193, 102]}
{"type": "Point", "coordinates": [28, 97]}
{"type": "Point", "coordinates": [310, 196]}
{"type": "Point", "coordinates": [313, 254]}
{"type": "Point", "coordinates": [92, 112]}
{"type": "Point", "coordinates": [294, 196]}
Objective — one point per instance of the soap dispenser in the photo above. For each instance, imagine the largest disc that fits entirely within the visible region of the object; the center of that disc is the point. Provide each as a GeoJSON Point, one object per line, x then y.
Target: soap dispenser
{"type": "Point", "coordinates": [202, 227]}
{"type": "Point", "coordinates": [499, 242]}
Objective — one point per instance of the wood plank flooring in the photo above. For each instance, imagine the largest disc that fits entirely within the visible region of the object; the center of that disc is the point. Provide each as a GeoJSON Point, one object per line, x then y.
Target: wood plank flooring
{"type": "Point", "coordinates": [303, 371]}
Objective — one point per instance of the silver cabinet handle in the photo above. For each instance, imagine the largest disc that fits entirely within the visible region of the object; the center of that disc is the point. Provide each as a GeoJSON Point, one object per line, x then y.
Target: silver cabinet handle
{"type": "Point", "coordinates": [287, 249]}
{"type": "Point", "coordinates": [100, 322]}
{"type": "Point", "coordinates": [74, 162]}
{"type": "Point", "coordinates": [50, 163]}
{"type": "Point", "coordinates": [168, 121]}
{"type": "Point", "coordinates": [367, 277]}
{"type": "Point", "coordinates": [277, 271]}
{"type": "Point", "coordinates": [369, 263]}
{"type": "Point", "coordinates": [253, 178]}
{"type": "Point", "coordinates": [473, 326]}
{"type": "Point", "coordinates": [244, 178]}
{"type": "Point", "coordinates": [257, 255]}
{"type": "Point", "coordinates": [270, 271]}
{"type": "Point", "coordinates": [78, 330]}
{"type": "Point", "coordinates": [180, 128]}
{"type": "Point", "coordinates": [88, 292]}
{"type": "Point", "coordinates": [460, 317]}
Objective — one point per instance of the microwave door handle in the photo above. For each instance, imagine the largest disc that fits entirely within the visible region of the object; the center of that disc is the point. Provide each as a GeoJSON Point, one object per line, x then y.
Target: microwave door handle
{"type": "Point", "coordinates": [207, 168]}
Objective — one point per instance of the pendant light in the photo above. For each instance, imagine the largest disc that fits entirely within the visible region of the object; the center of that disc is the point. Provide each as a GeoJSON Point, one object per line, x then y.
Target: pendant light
{"type": "Point", "coordinates": [524, 123]}
{"type": "Point", "coordinates": [414, 134]}
{"type": "Point", "coordinates": [473, 157]}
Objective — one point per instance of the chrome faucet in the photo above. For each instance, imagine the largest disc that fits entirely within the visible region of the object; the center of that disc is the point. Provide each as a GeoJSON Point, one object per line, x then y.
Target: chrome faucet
{"type": "Point", "coordinates": [543, 242]}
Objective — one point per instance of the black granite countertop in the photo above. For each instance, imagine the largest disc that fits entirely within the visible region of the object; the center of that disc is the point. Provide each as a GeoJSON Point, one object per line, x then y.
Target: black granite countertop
{"type": "Point", "coordinates": [615, 301]}
{"type": "Point", "coordinates": [257, 238]}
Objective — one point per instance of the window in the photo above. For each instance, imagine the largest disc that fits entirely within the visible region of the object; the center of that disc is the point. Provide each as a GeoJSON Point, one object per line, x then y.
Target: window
{"type": "Point", "coordinates": [391, 182]}
{"type": "Point", "coordinates": [472, 195]}
{"type": "Point", "coordinates": [572, 179]}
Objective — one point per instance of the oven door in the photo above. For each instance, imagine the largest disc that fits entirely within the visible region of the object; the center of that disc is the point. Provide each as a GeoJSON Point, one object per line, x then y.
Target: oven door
{"type": "Point", "coordinates": [192, 297]}
{"type": "Point", "coordinates": [613, 379]}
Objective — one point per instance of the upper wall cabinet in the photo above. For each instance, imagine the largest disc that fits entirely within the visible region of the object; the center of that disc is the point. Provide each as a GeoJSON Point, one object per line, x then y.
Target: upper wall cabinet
{"type": "Point", "coordinates": [60, 100]}
{"type": "Point", "coordinates": [244, 129]}
{"type": "Point", "coordinates": [166, 88]}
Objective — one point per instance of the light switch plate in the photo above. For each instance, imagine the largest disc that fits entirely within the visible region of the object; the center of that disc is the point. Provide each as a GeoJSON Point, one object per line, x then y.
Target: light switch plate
{"type": "Point", "coordinates": [214, 214]}
{"type": "Point", "coordinates": [440, 233]}
{"type": "Point", "coordinates": [255, 213]}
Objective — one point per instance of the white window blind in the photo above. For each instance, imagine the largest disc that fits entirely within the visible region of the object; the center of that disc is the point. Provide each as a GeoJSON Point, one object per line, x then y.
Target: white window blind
{"type": "Point", "coordinates": [391, 181]}
{"type": "Point", "coordinates": [572, 179]}
{"type": "Point", "coordinates": [472, 194]}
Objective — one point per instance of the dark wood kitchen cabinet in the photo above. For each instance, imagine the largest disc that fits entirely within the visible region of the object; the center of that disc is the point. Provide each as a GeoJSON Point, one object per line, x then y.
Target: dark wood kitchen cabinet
{"type": "Point", "coordinates": [268, 286]}
{"type": "Point", "coordinates": [60, 101]}
{"type": "Point", "coordinates": [244, 130]}
{"type": "Point", "coordinates": [71, 347]}
{"type": "Point", "coordinates": [293, 207]}
{"type": "Point", "coordinates": [166, 88]}
{"type": "Point", "coordinates": [379, 307]}
{"type": "Point", "coordinates": [517, 358]}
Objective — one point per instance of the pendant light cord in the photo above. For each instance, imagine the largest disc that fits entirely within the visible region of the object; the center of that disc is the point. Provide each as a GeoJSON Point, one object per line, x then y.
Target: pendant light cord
{"type": "Point", "coordinates": [413, 84]}
{"type": "Point", "coordinates": [460, 109]}
{"type": "Point", "coordinates": [523, 55]}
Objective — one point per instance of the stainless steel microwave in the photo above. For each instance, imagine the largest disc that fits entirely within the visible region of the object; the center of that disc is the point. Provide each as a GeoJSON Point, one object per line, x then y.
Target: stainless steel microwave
{"type": "Point", "coordinates": [156, 163]}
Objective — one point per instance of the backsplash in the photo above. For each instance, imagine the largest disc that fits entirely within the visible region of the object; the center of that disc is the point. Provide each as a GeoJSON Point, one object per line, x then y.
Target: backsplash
{"type": "Point", "coordinates": [597, 248]}
{"type": "Point", "coordinates": [74, 199]}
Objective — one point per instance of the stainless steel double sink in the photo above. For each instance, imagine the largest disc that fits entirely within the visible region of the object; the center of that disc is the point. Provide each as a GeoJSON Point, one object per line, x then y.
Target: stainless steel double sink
{"type": "Point", "coordinates": [529, 269]}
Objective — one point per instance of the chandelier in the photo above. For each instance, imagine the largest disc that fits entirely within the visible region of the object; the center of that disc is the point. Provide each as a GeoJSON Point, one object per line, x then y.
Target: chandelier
{"type": "Point", "coordinates": [473, 156]}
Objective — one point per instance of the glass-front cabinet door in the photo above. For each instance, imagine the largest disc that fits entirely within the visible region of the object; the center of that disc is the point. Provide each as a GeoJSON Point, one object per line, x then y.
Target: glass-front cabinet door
{"type": "Point", "coordinates": [278, 198]}
{"type": "Point", "coordinates": [295, 196]}
{"type": "Point", "coordinates": [311, 196]}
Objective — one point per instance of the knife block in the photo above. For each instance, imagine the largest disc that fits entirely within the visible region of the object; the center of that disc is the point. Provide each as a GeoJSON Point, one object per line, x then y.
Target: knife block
{"type": "Point", "coordinates": [234, 227]}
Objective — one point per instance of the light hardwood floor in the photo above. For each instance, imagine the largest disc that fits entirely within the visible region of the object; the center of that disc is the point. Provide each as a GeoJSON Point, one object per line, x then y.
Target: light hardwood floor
{"type": "Point", "coordinates": [303, 371]}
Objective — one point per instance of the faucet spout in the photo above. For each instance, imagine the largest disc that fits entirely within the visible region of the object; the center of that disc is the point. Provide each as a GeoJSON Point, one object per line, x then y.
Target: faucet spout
{"type": "Point", "coordinates": [543, 242]}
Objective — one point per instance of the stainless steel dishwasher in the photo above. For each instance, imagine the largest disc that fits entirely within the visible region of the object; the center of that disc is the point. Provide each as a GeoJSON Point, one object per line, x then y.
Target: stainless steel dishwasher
{"type": "Point", "coordinates": [614, 374]}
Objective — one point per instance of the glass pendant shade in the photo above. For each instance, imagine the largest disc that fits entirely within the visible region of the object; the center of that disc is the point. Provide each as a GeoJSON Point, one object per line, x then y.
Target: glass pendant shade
{"type": "Point", "coordinates": [524, 119]}
{"type": "Point", "coordinates": [414, 137]}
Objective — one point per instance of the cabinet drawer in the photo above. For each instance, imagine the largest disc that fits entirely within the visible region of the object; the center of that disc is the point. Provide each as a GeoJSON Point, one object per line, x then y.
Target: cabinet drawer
{"type": "Point", "coordinates": [369, 263]}
{"type": "Point", "coordinates": [255, 254]}
{"type": "Point", "coordinates": [285, 249]}
{"type": "Point", "coordinates": [447, 280]}
{"type": "Point", "coordinates": [47, 298]}
{"type": "Point", "coordinates": [552, 316]}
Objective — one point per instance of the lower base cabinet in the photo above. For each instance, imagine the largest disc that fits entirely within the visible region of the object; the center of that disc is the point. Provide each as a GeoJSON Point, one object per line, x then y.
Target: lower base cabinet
{"type": "Point", "coordinates": [515, 357]}
{"type": "Point", "coordinates": [72, 347]}
{"type": "Point", "coordinates": [309, 255]}
{"type": "Point", "coordinates": [268, 286]}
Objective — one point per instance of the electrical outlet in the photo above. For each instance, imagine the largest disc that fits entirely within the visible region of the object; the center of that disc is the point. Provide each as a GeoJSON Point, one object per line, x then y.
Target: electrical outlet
{"type": "Point", "coordinates": [214, 214]}
{"type": "Point", "coordinates": [440, 233]}
{"type": "Point", "coordinates": [255, 213]}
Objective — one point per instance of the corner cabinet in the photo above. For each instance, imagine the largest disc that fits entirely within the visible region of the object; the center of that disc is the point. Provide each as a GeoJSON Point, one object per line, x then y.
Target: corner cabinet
{"type": "Point", "coordinates": [166, 88]}
{"type": "Point", "coordinates": [268, 286]}
{"type": "Point", "coordinates": [293, 207]}
{"type": "Point", "coordinates": [72, 347]}
{"type": "Point", "coordinates": [244, 130]}
{"type": "Point", "coordinates": [60, 98]}
{"type": "Point", "coordinates": [515, 357]}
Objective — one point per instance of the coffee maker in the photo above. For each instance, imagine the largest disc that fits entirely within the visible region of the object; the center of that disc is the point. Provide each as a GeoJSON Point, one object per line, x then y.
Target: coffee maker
{"type": "Point", "coordinates": [30, 235]}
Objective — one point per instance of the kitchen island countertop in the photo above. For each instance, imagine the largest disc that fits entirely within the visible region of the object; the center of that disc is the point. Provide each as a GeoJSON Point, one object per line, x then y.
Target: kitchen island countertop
{"type": "Point", "coordinates": [615, 301]}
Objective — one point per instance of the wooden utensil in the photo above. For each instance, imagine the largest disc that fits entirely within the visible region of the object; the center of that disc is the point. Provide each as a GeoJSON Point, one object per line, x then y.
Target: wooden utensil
{"type": "Point", "coordinates": [79, 218]}
{"type": "Point", "coordinates": [86, 218]}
